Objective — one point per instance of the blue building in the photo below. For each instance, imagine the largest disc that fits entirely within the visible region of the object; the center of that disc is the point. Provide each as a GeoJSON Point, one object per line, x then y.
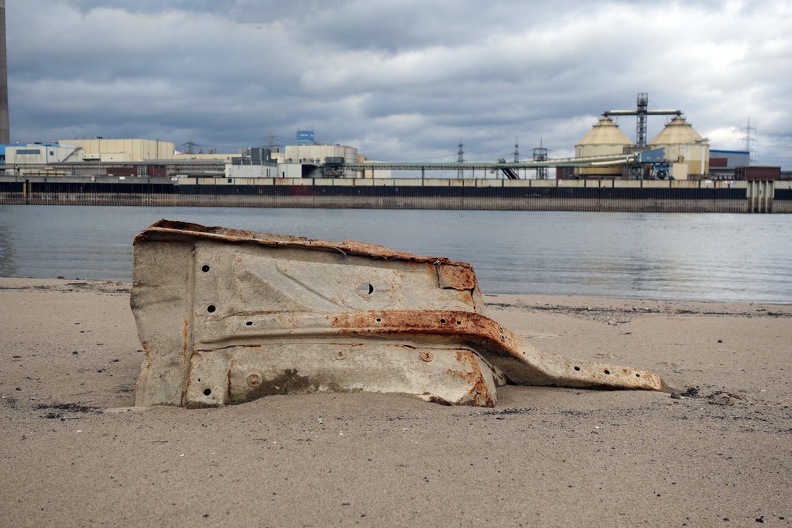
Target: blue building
{"type": "Point", "coordinates": [305, 137]}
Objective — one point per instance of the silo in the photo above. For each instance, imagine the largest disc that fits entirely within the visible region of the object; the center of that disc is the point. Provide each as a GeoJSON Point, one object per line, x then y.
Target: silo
{"type": "Point", "coordinates": [682, 144]}
{"type": "Point", "coordinates": [350, 156]}
{"type": "Point", "coordinates": [604, 139]}
{"type": "Point", "coordinates": [5, 134]}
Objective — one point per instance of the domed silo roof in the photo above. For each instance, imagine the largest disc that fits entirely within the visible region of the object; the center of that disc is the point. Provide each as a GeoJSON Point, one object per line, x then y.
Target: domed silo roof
{"type": "Point", "coordinates": [605, 132]}
{"type": "Point", "coordinates": [677, 132]}
{"type": "Point", "coordinates": [684, 145]}
{"type": "Point", "coordinates": [604, 139]}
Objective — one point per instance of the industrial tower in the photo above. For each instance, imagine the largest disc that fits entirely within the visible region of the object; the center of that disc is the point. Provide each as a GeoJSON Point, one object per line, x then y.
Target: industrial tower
{"type": "Point", "coordinates": [460, 159]}
{"type": "Point", "coordinates": [5, 133]}
{"type": "Point", "coordinates": [641, 111]}
{"type": "Point", "coordinates": [540, 155]}
{"type": "Point", "coordinates": [749, 142]}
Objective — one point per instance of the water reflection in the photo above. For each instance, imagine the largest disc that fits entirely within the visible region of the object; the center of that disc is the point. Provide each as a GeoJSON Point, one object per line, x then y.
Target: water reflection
{"type": "Point", "coordinates": [654, 256]}
{"type": "Point", "coordinates": [7, 251]}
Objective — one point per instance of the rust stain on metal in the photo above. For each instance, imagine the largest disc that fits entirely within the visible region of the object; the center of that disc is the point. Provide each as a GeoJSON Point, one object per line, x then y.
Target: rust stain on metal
{"type": "Point", "coordinates": [281, 325]}
{"type": "Point", "coordinates": [147, 354]}
{"type": "Point", "coordinates": [498, 345]}
{"type": "Point", "coordinates": [469, 326]}
{"type": "Point", "coordinates": [436, 399]}
{"type": "Point", "coordinates": [456, 277]}
{"type": "Point", "coordinates": [479, 393]}
{"type": "Point", "coordinates": [185, 334]}
{"type": "Point", "coordinates": [176, 230]}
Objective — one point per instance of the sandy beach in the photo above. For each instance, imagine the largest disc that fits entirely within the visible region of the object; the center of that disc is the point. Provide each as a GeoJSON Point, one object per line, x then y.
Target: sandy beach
{"type": "Point", "coordinates": [718, 452]}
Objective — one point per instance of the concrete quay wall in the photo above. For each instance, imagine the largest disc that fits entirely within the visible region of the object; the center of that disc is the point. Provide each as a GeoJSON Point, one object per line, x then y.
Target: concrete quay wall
{"type": "Point", "coordinates": [524, 195]}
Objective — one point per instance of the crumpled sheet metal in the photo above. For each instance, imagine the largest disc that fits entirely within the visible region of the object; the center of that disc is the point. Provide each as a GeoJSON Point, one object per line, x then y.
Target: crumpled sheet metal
{"type": "Point", "coordinates": [228, 316]}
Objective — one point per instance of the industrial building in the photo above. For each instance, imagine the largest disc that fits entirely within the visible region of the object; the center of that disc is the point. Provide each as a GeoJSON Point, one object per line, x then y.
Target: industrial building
{"type": "Point", "coordinates": [120, 150]}
{"type": "Point", "coordinates": [315, 155]}
{"type": "Point", "coordinates": [724, 162]}
{"type": "Point", "coordinates": [604, 139]}
{"type": "Point", "coordinates": [136, 157]}
{"type": "Point", "coordinates": [89, 150]}
{"type": "Point", "coordinates": [685, 148]}
{"type": "Point", "coordinates": [681, 152]}
{"type": "Point", "coordinates": [677, 152]}
{"type": "Point", "coordinates": [38, 153]}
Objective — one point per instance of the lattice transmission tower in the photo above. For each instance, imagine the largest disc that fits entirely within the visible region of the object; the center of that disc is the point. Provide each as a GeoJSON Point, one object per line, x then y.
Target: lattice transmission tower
{"type": "Point", "coordinates": [460, 159]}
{"type": "Point", "coordinates": [748, 141]}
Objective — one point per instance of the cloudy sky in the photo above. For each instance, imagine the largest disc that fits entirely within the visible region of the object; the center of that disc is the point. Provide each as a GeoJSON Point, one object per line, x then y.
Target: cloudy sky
{"type": "Point", "coordinates": [400, 80]}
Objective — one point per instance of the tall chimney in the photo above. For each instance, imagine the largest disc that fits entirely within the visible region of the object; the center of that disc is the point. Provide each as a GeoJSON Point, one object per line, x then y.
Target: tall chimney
{"type": "Point", "coordinates": [5, 134]}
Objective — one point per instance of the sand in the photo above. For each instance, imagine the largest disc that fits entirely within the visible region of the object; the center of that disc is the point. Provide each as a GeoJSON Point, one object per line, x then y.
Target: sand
{"type": "Point", "coordinates": [75, 452]}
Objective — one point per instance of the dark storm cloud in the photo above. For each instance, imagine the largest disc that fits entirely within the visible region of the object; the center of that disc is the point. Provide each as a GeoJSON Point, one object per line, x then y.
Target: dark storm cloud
{"type": "Point", "coordinates": [398, 80]}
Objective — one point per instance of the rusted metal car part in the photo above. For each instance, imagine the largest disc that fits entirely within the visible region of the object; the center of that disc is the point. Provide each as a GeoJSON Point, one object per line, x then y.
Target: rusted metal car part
{"type": "Point", "coordinates": [228, 316]}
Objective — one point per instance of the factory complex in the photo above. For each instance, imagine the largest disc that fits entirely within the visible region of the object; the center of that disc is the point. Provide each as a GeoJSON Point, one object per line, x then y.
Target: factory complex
{"type": "Point", "coordinates": [678, 152]}
{"type": "Point", "coordinates": [675, 171]}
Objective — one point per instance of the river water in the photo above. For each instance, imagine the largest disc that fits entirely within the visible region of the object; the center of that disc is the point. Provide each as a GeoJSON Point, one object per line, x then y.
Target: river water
{"type": "Point", "coordinates": [710, 257]}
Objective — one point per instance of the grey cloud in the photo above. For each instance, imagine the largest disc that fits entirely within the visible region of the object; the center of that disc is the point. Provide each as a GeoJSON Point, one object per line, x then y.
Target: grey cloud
{"type": "Point", "coordinates": [396, 79]}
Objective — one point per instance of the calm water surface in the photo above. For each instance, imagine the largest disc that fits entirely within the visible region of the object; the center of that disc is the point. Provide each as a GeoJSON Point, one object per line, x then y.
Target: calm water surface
{"type": "Point", "coordinates": [716, 257]}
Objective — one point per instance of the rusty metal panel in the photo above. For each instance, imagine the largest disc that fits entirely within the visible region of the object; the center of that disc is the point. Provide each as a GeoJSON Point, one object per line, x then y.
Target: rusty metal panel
{"type": "Point", "coordinates": [227, 316]}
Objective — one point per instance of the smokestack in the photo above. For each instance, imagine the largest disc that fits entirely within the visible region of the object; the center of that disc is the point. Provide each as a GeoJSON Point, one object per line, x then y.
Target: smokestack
{"type": "Point", "coordinates": [5, 133]}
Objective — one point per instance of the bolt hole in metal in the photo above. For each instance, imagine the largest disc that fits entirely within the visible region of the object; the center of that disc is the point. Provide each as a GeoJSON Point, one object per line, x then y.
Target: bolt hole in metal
{"type": "Point", "coordinates": [248, 323]}
{"type": "Point", "coordinates": [459, 323]}
{"type": "Point", "coordinates": [442, 321]}
{"type": "Point", "coordinates": [205, 268]}
{"type": "Point", "coordinates": [211, 308]}
{"type": "Point", "coordinates": [607, 371]}
{"type": "Point", "coordinates": [379, 320]}
{"type": "Point", "coordinates": [577, 368]}
{"type": "Point", "coordinates": [207, 392]}
{"type": "Point", "coordinates": [366, 289]}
